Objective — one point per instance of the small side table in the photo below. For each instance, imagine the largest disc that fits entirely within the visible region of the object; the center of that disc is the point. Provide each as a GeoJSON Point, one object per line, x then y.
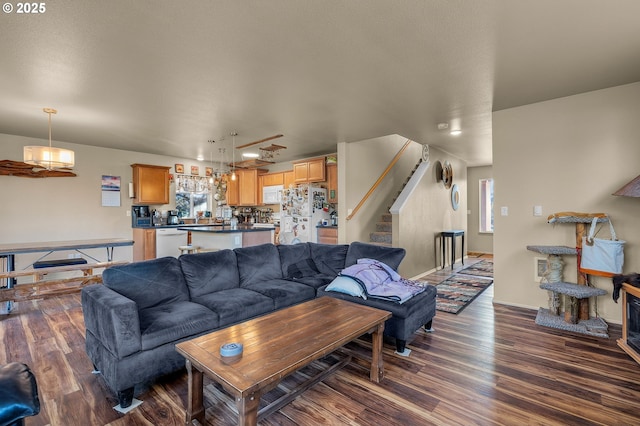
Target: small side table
{"type": "Point", "coordinates": [452, 234]}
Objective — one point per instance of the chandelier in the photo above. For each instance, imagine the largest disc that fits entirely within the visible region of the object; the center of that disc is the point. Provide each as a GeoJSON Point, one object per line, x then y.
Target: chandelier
{"type": "Point", "coordinates": [49, 157]}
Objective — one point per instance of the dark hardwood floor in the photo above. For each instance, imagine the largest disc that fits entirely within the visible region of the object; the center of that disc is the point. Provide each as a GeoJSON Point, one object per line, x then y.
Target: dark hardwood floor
{"type": "Point", "coordinates": [488, 365]}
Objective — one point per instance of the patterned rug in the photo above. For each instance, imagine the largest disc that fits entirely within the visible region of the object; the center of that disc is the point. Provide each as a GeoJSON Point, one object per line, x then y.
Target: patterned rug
{"type": "Point", "coordinates": [458, 291]}
{"type": "Point", "coordinates": [483, 268]}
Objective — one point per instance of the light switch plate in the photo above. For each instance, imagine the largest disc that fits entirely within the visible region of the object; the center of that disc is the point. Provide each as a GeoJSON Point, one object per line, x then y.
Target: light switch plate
{"type": "Point", "coordinates": [537, 210]}
{"type": "Point", "coordinates": [504, 211]}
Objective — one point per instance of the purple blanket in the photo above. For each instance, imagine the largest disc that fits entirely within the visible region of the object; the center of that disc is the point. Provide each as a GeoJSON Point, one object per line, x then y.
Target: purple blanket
{"type": "Point", "coordinates": [380, 281]}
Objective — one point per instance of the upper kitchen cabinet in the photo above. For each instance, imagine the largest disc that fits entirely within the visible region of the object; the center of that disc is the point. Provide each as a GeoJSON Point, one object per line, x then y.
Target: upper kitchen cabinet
{"type": "Point", "coordinates": [307, 171]}
{"type": "Point", "coordinates": [233, 193]}
{"type": "Point", "coordinates": [248, 187]}
{"type": "Point", "coordinates": [272, 179]}
{"type": "Point", "coordinates": [150, 184]}
{"type": "Point", "coordinates": [332, 183]}
{"type": "Point", "coordinates": [288, 179]}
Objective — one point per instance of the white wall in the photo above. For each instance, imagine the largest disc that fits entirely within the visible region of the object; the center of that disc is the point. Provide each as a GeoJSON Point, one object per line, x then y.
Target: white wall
{"type": "Point", "coordinates": [568, 154]}
{"type": "Point", "coordinates": [478, 242]}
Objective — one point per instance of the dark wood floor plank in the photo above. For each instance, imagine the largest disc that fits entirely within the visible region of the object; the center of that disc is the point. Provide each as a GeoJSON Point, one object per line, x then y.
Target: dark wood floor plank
{"type": "Point", "coordinates": [489, 365]}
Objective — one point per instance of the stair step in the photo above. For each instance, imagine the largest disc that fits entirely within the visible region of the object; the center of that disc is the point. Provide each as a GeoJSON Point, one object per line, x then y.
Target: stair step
{"type": "Point", "coordinates": [386, 217]}
{"type": "Point", "coordinates": [384, 227]}
{"type": "Point", "coordinates": [380, 237]}
{"type": "Point", "coordinates": [373, 243]}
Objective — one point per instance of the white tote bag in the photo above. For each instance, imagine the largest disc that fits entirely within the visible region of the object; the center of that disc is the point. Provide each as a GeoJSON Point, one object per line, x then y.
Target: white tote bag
{"type": "Point", "coordinates": [602, 257]}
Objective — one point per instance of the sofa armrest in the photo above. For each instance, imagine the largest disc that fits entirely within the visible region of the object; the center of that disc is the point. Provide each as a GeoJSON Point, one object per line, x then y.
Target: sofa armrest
{"type": "Point", "coordinates": [112, 319]}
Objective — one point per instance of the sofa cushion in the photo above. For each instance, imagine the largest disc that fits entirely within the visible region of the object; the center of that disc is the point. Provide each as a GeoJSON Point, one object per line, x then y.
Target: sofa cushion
{"type": "Point", "coordinates": [329, 258]}
{"type": "Point", "coordinates": [392, 256]}
{"type": "Point", "coordinates": [258, 263]}
{"type": "Point", "coordinates": [236, 304]}
{"type": "Point", "coordinates": [316, 281]}
{"type": "Point", "coordinates": [209, 272]}
{"type": "Point", "coordinates": [291, 255]}
{"type": "Point", "coordinates": [170, 322]}
{"type": "Point", "coordinates": [283, 292]}
{"type": "Point", "coordinates": [149, 283]}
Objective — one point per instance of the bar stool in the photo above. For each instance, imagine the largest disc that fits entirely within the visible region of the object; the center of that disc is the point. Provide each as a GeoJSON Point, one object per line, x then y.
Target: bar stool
{"type": "Point", "coordinates": [18, 394]}
{"type": "Point", "coordinates": [188, 249]}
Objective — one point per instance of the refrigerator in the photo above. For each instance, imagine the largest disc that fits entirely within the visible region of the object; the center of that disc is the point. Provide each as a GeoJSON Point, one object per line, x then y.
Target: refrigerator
{"type": "Point", "coordinates": [302, 208]}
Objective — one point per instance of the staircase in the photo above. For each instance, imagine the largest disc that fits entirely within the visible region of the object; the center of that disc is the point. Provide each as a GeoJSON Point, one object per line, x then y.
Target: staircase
{"type": "Point", "coordinates": [383, 235]}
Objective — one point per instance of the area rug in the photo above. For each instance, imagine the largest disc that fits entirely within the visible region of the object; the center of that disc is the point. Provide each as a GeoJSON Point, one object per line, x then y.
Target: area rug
{"type": "Point", "coordinates": [483, 268]}
{"type": "Point", "coordinates": [458, 291]}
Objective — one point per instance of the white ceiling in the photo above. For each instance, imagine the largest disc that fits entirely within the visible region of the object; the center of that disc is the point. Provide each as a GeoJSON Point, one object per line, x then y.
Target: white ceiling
{"type": "Point", "coordinates": [164, 77]}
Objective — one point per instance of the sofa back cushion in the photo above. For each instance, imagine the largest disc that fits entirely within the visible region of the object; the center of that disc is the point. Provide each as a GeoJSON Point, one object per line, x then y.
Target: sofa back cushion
{"type": "Point", "coordinates": [258, 263]}
{"type": "Point", "coordinates": [329, 258]}
{"type": "Point", "coordinates": [294, 258]}
{"type": "Point", "coordinates": [149, 283]}
{"type": "Point", "coordinates": [209, 272]}
{"type": "Point", "coordinates": [391, 256]}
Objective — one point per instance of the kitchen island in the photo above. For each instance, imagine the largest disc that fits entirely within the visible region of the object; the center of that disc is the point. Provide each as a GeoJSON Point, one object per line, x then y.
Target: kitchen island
{"type": "Point", "coordinates": [225, 237]}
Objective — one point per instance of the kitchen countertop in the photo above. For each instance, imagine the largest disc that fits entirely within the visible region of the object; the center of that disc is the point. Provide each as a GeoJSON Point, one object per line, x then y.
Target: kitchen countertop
{"type": "Point", "coordinates": [327, 226]}
{"type": "Point", "coordinates": [171, 226]}
{"type": "Point", "coordinates": [222, 229]}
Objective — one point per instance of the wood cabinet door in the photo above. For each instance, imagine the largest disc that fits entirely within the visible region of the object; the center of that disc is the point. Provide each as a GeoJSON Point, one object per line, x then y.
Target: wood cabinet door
{"type": "Point", "coordinates": [232, 191]}
{"type": "Point", "coordinates": [332, 183]}
{"type": "Point", "coordinates": [248, 187]}
{"type": "Point", "coordinates": [316, 170]}
{"type": "Point", "coordinates": [151, 184]}
{"type": "Point", "coordinates": [144, 247]}
{"type": "Point", "coordinates": [271, 179]}
{"type": "Point", "coordinates": [288, 179]}
{"type": "Point", "coordinates": [327, 235]}
{"type": "Point", "coordinates": [300, 172]}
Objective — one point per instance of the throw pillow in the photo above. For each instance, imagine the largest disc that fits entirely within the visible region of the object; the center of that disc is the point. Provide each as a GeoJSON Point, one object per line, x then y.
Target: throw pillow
{"type": "Point", "coordinates": [346, 285]}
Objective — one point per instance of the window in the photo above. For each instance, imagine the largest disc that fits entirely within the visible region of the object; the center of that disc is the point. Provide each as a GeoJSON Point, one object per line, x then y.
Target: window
{"type": "Point", "coordinates": [188, 203]}
{"type": "Point", "coordinates": [192, 195]}
{"type": "Point", "coordinates": [486, 205]}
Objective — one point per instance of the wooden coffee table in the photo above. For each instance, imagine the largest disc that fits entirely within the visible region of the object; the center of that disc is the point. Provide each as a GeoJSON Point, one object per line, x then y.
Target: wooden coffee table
{"type": "Point", "coordinates": [276, 345]}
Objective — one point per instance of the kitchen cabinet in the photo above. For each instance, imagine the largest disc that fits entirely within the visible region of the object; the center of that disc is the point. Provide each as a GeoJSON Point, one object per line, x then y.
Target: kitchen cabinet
{"type": "Point", "coordinates": [327, 235]}
{"type": "Point", "coordinates": [271, 179]}
{"type": "Point", "coordinates": [247, 187]}
{"type": "Point", "coordinates": [288, 179]}
{"type": "Point", "coordinates": [232, 194]}
{"type": "Point", "coordinates": [312, 170]}
{"type": "Point", "coordinates": [144, 244]}
{"type": "Point", "coordinates": [150, 184]}
{"type": "Point", "coordinates": [332, 183]}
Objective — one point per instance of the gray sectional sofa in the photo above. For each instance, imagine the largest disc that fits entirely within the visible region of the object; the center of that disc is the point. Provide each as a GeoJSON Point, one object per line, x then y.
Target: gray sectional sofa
{"type": "Point", "coordinates": [134, 319]}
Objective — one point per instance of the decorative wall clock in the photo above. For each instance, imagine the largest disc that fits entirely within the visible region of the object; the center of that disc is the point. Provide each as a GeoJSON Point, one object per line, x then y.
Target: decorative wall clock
{"type": "Point", "coordinates": [455, 197]}
{"type": "Point", "coordinates": [425, 152]}
{"type": "Point", "coordinates": [447, 174]}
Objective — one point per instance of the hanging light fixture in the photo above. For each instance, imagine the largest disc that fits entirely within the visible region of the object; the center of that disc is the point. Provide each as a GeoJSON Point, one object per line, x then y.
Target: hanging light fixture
{"type": "Point", "coordinates": [233, 153]}
{"type": "Point", "coordinates": [49, 157]}
{"type": "Point", "coordinates": [211, 141]}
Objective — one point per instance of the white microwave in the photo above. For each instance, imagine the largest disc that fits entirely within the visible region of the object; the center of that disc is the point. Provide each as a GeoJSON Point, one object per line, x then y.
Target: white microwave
{"type": "Point", "coordinates": [272, 194]}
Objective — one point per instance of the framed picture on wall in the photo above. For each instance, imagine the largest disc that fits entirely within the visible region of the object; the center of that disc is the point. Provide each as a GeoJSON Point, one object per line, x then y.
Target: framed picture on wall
{"type": "Point", "coordinates": [208, 171]}
{"type": "Point", "coordinates": [195, 170]}
{"type": "Point", "coordinates": [179, 168]}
